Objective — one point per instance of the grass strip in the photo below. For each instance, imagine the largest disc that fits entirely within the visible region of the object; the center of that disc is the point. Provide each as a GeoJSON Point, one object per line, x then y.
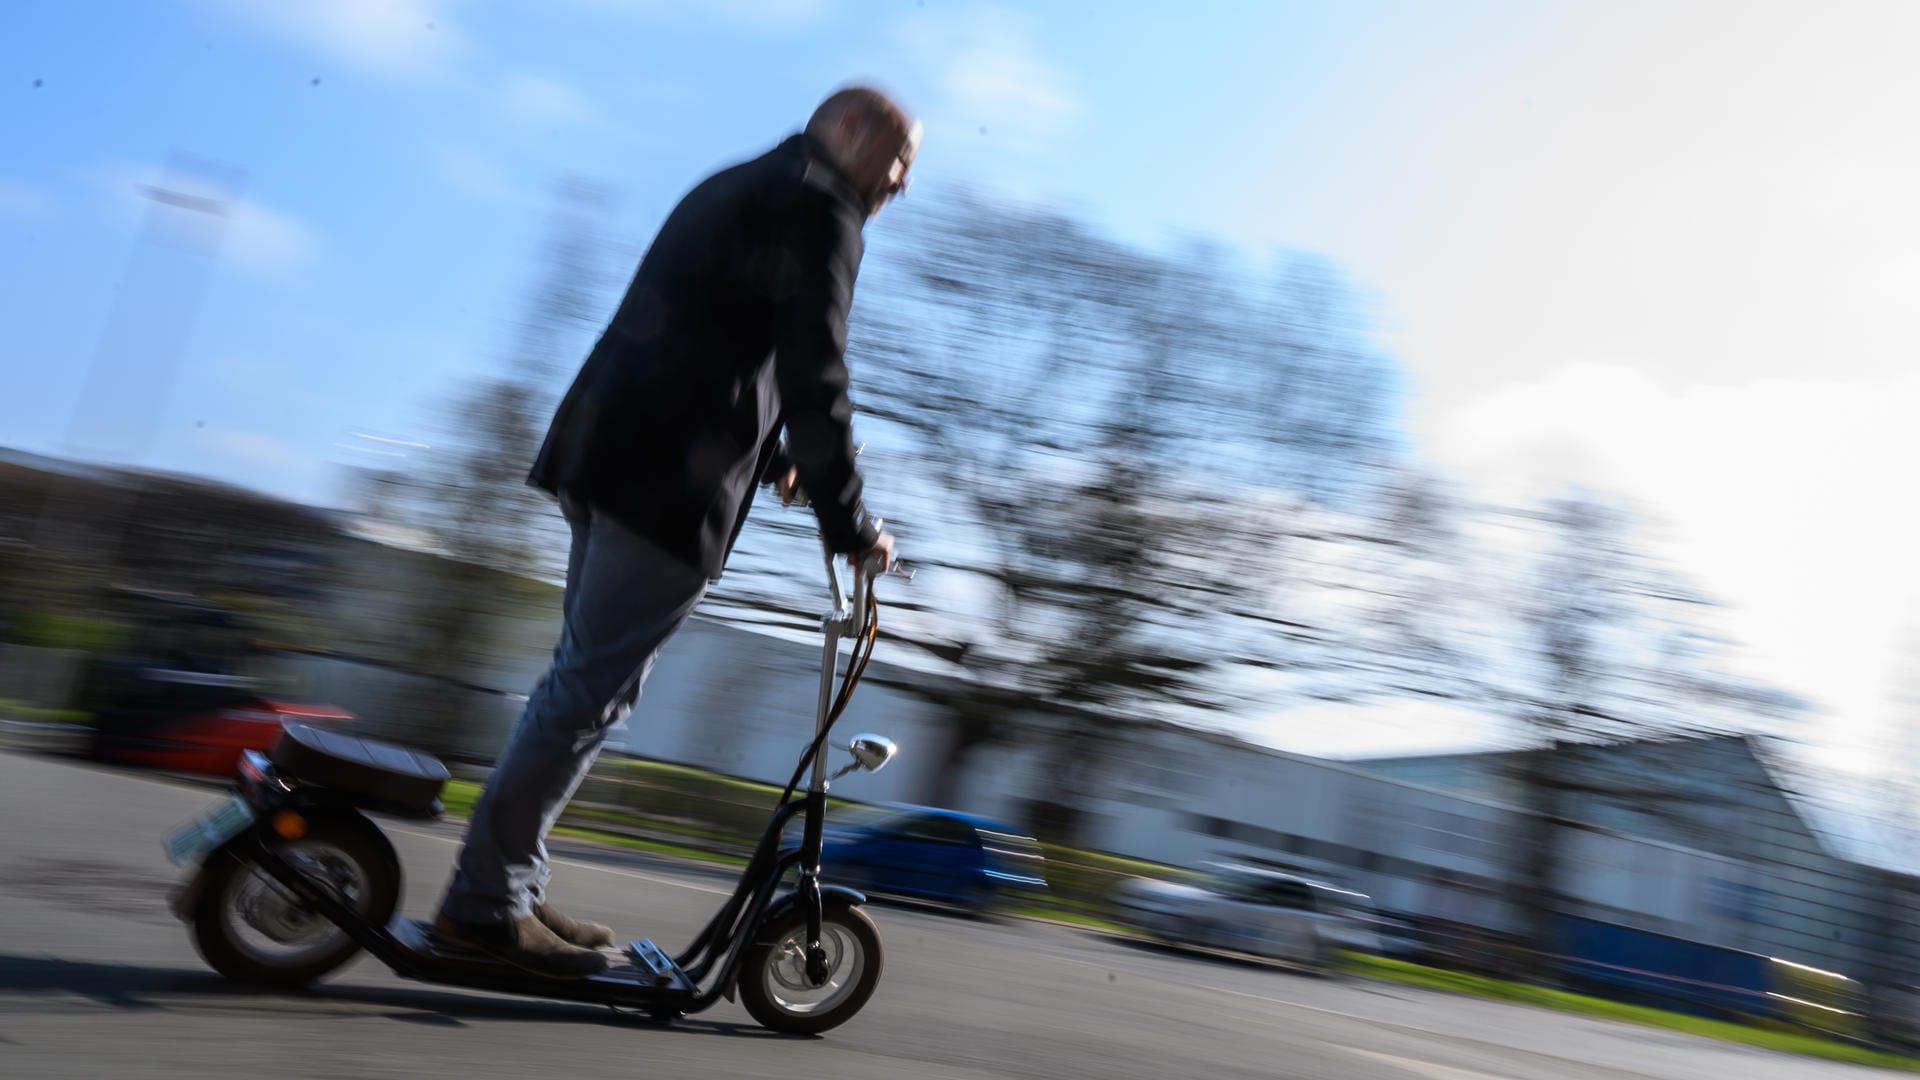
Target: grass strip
{"type": "Point", "coordinates": [1401, 971]}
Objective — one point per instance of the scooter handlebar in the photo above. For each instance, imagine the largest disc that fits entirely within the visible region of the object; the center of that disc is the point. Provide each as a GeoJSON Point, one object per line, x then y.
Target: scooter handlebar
{"type": "Point", "coordinates": [870, 566]}
{"type": "Point", "coordinates": [865, 573]}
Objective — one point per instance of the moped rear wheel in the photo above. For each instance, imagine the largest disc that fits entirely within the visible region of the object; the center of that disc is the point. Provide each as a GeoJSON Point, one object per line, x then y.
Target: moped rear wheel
{"type": "Point", "coordinates": [773, 980]}
{"type": "Point", "coordinates": [248, 927]}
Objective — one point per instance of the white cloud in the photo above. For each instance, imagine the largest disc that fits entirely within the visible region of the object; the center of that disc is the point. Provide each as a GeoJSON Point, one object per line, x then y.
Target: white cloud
{"type": "Point", "coordinates": [1788, 499]}
{"type": "Point", "coordinates": [406, 38]}
{"type": "Point", "coordinates": [750, 14]}
{"type": "Point", "coordinates": [1608, 254]}
{"type": "Point", "coordinates": [1599, 187]}
{"type": "Point", "coordinates": [998, 78]}
{"type": "Point", "coordinates": [262, 238]}
{"type": "Point", "coordinates": [254, 448]}
{"type": "Point", "coordinates": [772, 13]}
{"type": "Point", "coordinates": [475, 174]}
{"type": "Point", "coordinates": [240, 232]}
{"type": "Point", "coordinates": [532, 99]}
{"type": "Point", "coordinates": [24, 200]}
{"type": "Point", "coordinates": [989, 72]}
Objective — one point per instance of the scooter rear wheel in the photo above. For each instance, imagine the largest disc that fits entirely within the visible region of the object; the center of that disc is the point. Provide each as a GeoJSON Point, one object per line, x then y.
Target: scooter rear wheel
{"type": "Point", "coordinates": [773, 983]}
{"type": "Point", "coordinates": [248, 928]}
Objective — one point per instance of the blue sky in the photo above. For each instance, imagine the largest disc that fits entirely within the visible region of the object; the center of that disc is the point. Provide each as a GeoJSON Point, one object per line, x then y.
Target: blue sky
{"type": "Point", "coordinates": [396, 158]}
{"type": "Point", "coordinates": [1663, 250]}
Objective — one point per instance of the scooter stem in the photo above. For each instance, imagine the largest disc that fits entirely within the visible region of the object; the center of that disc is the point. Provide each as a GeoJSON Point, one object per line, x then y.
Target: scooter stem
{"type": "Point", "coordinates": [844, 621]}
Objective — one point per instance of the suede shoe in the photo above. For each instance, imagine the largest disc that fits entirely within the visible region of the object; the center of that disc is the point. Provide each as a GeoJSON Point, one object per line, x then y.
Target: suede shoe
{"type": "Point", "coordinates": [526, 944]}
{"type": "Point", "coordinates": [587, 935]}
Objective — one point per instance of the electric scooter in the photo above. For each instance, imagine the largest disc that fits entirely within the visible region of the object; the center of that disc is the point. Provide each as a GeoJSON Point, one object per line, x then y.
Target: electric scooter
{"type": "Point", "coordinates": [289, 878]}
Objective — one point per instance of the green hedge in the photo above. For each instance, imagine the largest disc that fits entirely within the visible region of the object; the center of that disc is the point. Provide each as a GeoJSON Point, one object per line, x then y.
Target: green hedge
{"type": "Point", "coordinates": [1083, 881]}
{"type": "Point", "coordinates": [685, 799]}
{"type": "Point", "coordinates": [20, 710]}
{"type": "Point", "coordinates": [1809, 1044]}
{"type": "Point", "coordinates": [65, 630]}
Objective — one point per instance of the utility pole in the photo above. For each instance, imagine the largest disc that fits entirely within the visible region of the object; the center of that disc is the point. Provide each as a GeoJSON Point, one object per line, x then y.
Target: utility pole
{"type": "Point", "coordinates": [138, 355]}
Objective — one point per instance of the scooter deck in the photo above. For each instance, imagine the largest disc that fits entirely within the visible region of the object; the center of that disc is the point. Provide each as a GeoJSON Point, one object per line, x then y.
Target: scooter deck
{"type": "Point", "coordinates": [427, 958]}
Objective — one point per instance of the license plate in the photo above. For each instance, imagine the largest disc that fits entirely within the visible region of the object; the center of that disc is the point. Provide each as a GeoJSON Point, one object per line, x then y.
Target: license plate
{"type": "Point", "coordinates": [221, 823]}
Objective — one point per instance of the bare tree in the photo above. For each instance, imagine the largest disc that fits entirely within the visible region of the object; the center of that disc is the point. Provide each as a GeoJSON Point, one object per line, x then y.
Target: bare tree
{"type": "Point", "coordinates": [1080, 420]}
{"type": "Point", "coordinates": [1613, 649]}
{"type": "Point", "coordinates": [470, 501]}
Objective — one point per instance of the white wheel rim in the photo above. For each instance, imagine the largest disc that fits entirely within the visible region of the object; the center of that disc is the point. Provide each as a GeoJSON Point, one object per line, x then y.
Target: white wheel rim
{"type": "Point", "coordinates": [784, 976]}
{"type": "Point", "coordinates": [267, 923]}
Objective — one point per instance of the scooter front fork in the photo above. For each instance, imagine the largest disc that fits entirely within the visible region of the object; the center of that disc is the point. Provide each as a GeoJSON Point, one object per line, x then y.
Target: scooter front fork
{"type": "Point", "coordinates": [817, 970]}
{"type": "Point", "coordinates": [810, 884]}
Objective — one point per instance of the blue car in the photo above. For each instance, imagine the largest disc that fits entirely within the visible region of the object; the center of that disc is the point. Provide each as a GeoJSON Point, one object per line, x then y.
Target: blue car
{"type": "Point", "coordinates": [926, 853]}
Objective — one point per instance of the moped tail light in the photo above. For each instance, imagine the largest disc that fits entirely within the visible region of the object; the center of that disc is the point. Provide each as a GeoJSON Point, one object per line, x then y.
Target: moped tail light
{"type": "Point", "coordinates": [289, 825]}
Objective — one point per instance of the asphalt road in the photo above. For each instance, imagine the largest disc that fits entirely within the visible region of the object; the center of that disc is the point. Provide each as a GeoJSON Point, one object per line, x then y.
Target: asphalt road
{"type": "Point", "coordinates": [98, 980]}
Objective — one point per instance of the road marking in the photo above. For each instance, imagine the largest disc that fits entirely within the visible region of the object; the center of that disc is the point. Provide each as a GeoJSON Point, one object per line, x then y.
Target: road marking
{"type": "Point", "coordinates": [635, 875]}
{"type": "Point", "coordinates": [1427, 1068]}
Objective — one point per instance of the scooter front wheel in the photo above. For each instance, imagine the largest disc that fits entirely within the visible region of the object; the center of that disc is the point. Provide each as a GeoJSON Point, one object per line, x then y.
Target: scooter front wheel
{"type": "Point", "coordinates": [248, 927]}
{"type": "Point", "coordinates": [773, 980]}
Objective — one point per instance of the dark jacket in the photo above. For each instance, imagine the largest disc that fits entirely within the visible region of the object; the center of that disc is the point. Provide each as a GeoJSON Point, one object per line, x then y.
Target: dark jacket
{"type": "Point", "coordinates": [732, 329]}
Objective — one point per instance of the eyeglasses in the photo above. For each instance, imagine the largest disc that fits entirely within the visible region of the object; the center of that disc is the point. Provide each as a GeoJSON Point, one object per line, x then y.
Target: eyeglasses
{"type": "Point", "coordinates": [899, 176]}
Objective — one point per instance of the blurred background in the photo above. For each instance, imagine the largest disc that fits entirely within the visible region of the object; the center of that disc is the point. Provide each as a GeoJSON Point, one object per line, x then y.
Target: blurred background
{"type": "Point", "coordinates": [1449, 457]}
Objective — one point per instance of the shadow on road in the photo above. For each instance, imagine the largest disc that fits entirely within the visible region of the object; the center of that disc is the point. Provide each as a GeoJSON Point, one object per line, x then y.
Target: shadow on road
{"type": "Point", "coordinates": [136, 987]}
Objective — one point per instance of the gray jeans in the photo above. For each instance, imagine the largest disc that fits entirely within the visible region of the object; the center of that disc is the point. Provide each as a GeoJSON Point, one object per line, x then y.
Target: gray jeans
{"type": "Point", "coordinates": [624, 597]}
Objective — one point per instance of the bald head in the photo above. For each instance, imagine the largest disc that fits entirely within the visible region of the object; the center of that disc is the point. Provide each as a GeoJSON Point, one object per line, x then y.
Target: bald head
{"type": "Point", "coordinates": [871, 138]}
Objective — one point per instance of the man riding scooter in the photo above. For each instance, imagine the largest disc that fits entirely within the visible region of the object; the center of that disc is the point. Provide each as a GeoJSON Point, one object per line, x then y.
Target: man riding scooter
{"type": "Point", "coordinates": [731, 333]}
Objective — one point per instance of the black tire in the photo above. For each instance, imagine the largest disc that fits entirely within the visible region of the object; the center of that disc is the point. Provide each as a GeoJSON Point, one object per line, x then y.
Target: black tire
{"type": "Point", "coordinates": [229, 880]}
{"type": "Point", "coordinates": [842, 930]}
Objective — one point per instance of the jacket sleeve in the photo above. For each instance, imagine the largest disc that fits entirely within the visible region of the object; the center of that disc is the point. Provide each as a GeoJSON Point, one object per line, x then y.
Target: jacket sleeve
{"type": "Point", "coordinates": [820, 253]}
